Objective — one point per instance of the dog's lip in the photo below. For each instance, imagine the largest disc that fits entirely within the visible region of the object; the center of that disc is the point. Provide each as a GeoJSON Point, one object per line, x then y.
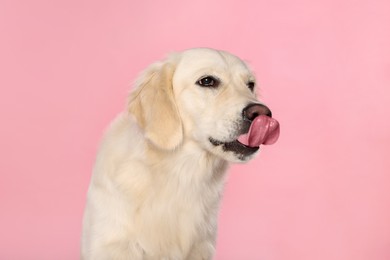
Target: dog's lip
{"type": "Point", "coordinates": [235, 146]}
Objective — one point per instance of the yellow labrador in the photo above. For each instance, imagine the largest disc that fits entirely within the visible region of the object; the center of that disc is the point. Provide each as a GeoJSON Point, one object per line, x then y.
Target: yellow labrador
{"type": "Point", "coordinates": [160, 170]}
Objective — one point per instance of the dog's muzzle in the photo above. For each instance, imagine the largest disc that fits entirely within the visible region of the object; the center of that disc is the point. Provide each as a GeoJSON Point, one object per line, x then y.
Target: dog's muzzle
{"type": "Point", "coordinates": [258, 128]}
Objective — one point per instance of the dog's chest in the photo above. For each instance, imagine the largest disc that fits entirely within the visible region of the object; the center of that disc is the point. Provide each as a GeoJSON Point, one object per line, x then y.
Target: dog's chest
{"type": "Point", "coordinates": [180, 209]}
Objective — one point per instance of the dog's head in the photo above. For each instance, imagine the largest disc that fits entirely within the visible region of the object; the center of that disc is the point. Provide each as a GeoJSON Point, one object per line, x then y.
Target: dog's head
{"type": "Point", "coordinates": [206, 97]}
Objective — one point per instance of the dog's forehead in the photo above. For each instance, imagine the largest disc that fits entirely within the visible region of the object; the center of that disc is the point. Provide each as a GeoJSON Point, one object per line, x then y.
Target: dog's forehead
{"type": "Point", "coordinates": [209, 59]}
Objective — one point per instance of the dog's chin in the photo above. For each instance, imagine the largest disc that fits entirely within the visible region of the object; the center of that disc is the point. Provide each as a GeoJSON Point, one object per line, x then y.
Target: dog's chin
{"type": "Point", "coordinates": [234, 151]}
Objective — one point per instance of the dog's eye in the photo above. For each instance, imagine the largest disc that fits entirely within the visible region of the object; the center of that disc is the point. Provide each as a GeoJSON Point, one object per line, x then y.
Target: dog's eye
{"type": "Point", "coordinates": [251, 85]}
{"type": "Point", "coordinates": [208, 81]}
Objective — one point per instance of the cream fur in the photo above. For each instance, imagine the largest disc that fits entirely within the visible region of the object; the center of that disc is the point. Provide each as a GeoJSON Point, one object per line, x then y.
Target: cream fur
{"type": "Point", "coordinates": [157, 181]}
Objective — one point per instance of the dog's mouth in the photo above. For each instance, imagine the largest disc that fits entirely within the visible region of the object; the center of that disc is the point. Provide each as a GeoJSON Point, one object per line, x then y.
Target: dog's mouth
{"type": "Point", "coordinates": [236, 147]}
{"type": "Point", "coordinates": [263, 130]}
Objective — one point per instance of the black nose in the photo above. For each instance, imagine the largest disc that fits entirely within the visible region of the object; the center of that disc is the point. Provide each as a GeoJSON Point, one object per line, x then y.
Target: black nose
{"type": "Point", "coordinates": [254, 110]}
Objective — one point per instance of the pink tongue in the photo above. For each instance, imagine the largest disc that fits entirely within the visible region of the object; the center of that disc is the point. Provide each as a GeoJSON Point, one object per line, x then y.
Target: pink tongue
{"type": "Point", "coordinates": [263, 130]}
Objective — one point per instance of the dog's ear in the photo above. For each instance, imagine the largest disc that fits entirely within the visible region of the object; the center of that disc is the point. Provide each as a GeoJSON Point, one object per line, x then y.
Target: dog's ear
{"type": "Point", "coordinates": [154, 107]}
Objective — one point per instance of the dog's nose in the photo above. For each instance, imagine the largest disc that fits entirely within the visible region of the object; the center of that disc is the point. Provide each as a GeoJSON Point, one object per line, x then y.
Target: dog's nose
{"type": "Point", "coordinates": [254, 110]}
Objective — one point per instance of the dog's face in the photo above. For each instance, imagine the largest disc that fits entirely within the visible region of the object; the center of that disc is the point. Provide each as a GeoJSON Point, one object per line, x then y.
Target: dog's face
{"type": "Point", "coordinates": [212, 89]}
{"type": "Point", "coordinates": [202, 96]}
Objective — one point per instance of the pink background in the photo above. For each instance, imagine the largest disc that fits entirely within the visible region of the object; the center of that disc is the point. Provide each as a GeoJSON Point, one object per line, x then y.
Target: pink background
{"type": "Point", "coordinates": [322, 192]}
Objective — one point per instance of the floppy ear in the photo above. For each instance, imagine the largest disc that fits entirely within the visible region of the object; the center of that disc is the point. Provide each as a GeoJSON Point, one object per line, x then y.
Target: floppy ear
{"type": "Point", "coordinates": [153, 105]}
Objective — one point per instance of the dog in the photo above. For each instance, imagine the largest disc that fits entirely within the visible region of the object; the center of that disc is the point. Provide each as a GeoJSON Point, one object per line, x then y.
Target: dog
{"type": "Point", "coordinates": [160, 170]}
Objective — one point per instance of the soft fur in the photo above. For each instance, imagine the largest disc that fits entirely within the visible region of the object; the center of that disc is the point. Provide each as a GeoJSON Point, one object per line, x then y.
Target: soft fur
{"type": "Point", "coordinates": [158, 178]}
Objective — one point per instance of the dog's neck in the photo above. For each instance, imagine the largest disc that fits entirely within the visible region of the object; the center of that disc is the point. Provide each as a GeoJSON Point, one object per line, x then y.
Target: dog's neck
{"type": "Point", "coordinates": [184, 162]}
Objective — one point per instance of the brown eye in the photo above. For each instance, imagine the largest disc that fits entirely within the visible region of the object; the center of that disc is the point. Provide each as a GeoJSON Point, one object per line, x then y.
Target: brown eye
{"type": "Point", "coordinates": [251, 85]}
{"type": "Point", "coordinates": [208, 81]}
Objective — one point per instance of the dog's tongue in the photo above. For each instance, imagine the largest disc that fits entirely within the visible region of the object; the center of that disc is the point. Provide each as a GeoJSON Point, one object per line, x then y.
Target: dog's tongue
{"type": "Point", "coordinates": [263, 130]}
